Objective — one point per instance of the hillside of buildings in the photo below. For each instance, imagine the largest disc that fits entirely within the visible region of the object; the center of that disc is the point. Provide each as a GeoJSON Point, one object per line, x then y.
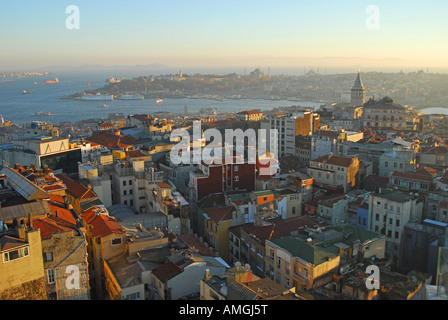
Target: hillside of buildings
{"type": "Point", "coordinates": [355, 187]}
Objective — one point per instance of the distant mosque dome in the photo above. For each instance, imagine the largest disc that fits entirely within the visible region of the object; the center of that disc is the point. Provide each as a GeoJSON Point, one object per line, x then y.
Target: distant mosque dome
{"type": "Point", "coordinates": [387, 99]}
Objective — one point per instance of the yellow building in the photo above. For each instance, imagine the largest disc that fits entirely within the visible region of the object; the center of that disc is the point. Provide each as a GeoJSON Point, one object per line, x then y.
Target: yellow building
{"type": "Point", "coordinates": [105, 240]}
{"type": "Point", "coordinates": [293, 262]}
{"type": "Point", "coordinates": [216, 229]}
{"type": "Point", "coordinates": [22, 275]}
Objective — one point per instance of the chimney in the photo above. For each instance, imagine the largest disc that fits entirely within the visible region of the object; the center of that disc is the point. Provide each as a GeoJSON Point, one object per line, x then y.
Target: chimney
{"type": "Point", "coordinates": [207, 274]}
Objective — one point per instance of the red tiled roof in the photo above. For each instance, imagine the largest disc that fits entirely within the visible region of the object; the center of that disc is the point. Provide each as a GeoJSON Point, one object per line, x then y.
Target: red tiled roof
{"type": "Point", "coordinates": [166, 271]}
{"type": "Point", "coordinates": [281, 228]}
{"type": "Point", "coordinates": [48, 226]}
{"type": "Point", "coordinates": [62, 214]}
{"type": "Point", "coordinates": [260, 232]}
{"type": "Point", "coordinates": [194, 243]}
{"type": "Point", "coordinates": [219, 214]}
{"type": "Point", "coordinates": [164, 185]}
{"type": "Point", "coordinates": [411, 175]}
{"type": "Point", "coordinates": [76, 189]}
{"type": "Point", "coordinates": [329, 201]}
{"type": "Point", "coordinates": [335, 160]}
{"type": "Point", "coordinates": [54, 187]}
{"type": "Point", "coordinates": [113, 141]}
{"type": "Point", "coordinates": [427, 171]}
{"type": "Point", "coordinates": [106, 125]}
{"type": "Point", "coordinates": [340, 161]}
{"type": "Point", "coordinates": [103, 225]}
{"type": "Point", "coordinates": [56, 198]}
{"type": "Point", "coordinates": [135, 154]}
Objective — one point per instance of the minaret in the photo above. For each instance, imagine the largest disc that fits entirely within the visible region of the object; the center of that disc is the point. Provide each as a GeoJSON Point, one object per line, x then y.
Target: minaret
{"type": "Point", "coordinates": [358, 97]}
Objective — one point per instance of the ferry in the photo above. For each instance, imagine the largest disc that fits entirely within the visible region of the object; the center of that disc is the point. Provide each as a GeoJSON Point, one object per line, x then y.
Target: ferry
{"type": "Point", "coordinates": [96, 97]}
{"type": "Point", "coordinates": [159, 101]}
{"type": "Point", "coordinates": [56, 80]}
{"type": "Point", "coordinates": [43, 113]}
{"type": "Point", "coordinates": [27, 92]}
{"type": "Point", "coordinates": [103, 106]}
{"type": "Point", "coordinates": [128, 96]}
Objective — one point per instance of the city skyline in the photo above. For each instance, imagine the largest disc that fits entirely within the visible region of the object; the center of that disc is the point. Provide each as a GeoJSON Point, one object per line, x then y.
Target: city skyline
{"type": "Point", "coordinates": [295, 34]}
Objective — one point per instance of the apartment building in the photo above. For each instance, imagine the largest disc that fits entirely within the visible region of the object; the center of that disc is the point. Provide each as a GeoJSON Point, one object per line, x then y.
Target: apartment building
{"type": "Point", "coordinates": [384, 115]}
{"type": "Point", "coordinates": [289, 126]}
{"type": "Point", "coordinates": [336, 171]}
{"type": "Point", "coordinates": [389, 212]}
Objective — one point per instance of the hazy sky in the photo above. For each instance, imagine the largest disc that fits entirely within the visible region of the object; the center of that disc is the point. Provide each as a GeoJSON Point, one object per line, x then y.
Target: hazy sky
{"type": "Point", "coordinates": [320, 33]}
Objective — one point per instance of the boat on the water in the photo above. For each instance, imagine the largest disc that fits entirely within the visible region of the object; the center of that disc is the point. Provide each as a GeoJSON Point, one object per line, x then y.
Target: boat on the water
{"type": "Point", "coordinates": [56, 80]}
{"type": "Point", "coordinates": [103, 106]}
{"type": "Point", "coordinates": [43, 113]}
{"type": "Point", "coordinates": [27, 92]}
{"type": "Point", "coordinates": [95, 97]}
{"type": "Point", "coordinates": [129, 96]}
{"type": "Point", "coordinates": [159, 101]}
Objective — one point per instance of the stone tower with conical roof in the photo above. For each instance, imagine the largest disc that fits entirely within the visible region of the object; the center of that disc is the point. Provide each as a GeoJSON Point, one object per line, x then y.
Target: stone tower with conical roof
{"type": "Point", "coordinates": [358, 97]}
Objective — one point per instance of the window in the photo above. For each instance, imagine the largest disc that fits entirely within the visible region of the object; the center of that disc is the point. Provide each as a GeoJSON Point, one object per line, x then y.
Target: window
{"type": "Point", "coordinates": [386, 164]}
{"type": "Point", "coordinates": [237, 178]}
{"type": "Point", "coordinates": [116, 241]}
{"type": "Point", "coordinates": [48, 256]}
{"type": "Point", "coordinates": [397, 223]}
{"type": "Point", "coordinates": [130, 182]}
{"type": "Point", "coordinates": [279, 262]}
{"type": "Point", "coordinates": [50, 276]}
{"type": "Point", "coordinates": [15, 254]}
{"type": "Point", "coordinates": [236, 168]}
{"type": "Point", "coordinates": [293, 210]}
{"type": "Point", "coordinates": [396, 235]}
{"type": "Point", "coordinates": [124, 183]}
{"type": "Point", "coordinates": [389, 233]}
{"type": "Point", "coordinates": [125, 192]}
{"type": "Point", "coordinates": [377, 217]}
{"type": "Point", "coordinates": [133, 296]}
